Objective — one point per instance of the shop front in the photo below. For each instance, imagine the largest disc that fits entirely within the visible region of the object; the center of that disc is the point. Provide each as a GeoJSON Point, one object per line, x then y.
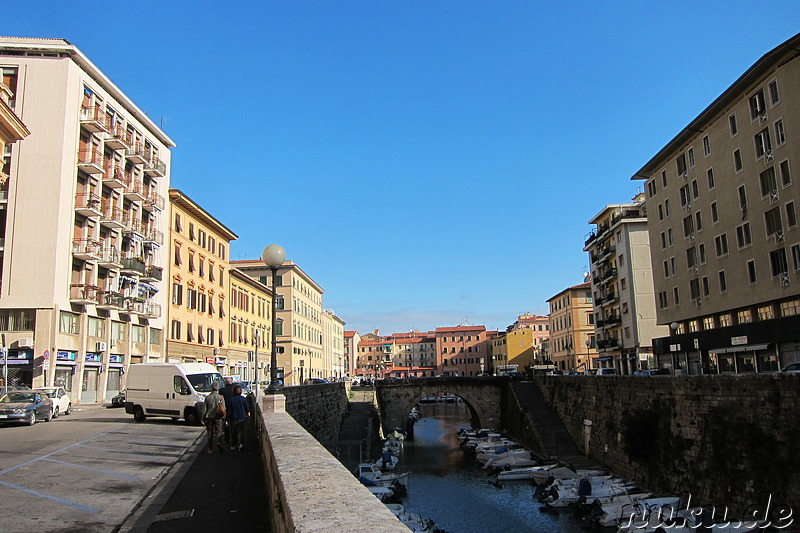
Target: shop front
{"type": "Point", "coordinates": [20, 367]}
{"type": "Point", "coordinates": [116, 367]}
{"type": "Point", "coordinates": [92, 365]}
{"type": "Point", "coordinates": [66, 362]}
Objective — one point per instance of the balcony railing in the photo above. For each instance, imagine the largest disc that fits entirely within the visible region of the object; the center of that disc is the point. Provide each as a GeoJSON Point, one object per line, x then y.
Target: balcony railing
{"type": "Point", "coordinates": [88, 204]}
{"type": "Point", "coordinates": [110, 257]}
{"type": "Point", "coordinates": [154, 201]}
{"type": "Point", "coordinates": [93, 118]}
{"type": "Point", "coordinates": [134, 189]}
{"type": "Point", "coordinates": [134, 306]}
{"type": "Point", "coordinates": [111, 300]}
{"type": "Point", "coordinates": [112, 216]}
{"type": "Point", "coordinates": [138, 154]}
{"type": "Point", "coordinates": [83, 293]}
{"type": "Point", "coordinates": [155, 167]}
{"type": "Point", "coordinates": [133, 225]}
{"type": "Point", "coordinates": [133, 265]}
{"type": "Point", "coordinates": [119, 138]}
{"type": "Point", "coordinates": [153, 273]}
{"type": "Point", "coordinates": [90, 160]}
{"type": "Point", "coordinates": [154, 236]}
{"type": "Point", "coordinates": [152, 310]}
{"type": "Point", "coordinates": [86, 249]}
{"type": "Point", "coordinates": [114, 177]}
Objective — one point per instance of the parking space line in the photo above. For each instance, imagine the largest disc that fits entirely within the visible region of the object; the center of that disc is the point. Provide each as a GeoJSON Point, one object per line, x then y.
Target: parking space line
{"type": "Point", "coordinates": [60, 450]}
{"type": "Point", "coordinates": [95, 469]}
{"type": "Point", "coordinates": [129, 454]}
{"type": "Point", "coordinates": [70, 503]}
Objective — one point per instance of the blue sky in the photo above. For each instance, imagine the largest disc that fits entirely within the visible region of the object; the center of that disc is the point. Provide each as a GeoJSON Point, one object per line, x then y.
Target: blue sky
{"type": "Point", "coordinates": [427, 163]}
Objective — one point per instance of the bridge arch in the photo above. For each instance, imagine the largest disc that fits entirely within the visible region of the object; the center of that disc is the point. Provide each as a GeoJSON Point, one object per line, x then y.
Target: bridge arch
{"type": "Point", "coordinates": [482, 395]}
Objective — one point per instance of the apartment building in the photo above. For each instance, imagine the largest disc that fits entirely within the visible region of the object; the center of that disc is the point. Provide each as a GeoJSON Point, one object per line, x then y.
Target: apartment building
{"type": "Point", "coordinates": [199, 277]}
{"type": "Point", "coordinates": [572, 337]}
{"type": "Point", "coordinates": [524, 340]}
{"type": "Point", "coordinates": [622, 286]}
{"type": "Point", "coordinates": [498, 352]}
{"type": "Point", "coordinates": [461, 350]}
{"type": "Point", "coordinates": [351, 340]}
{"type": "Point", "coordinates": [83, 224]}
{"type": "Point", "coordinates": [299, 318]}
{"type": "Point", "coordinates": [250, 337]}
{"type": "Point", "coordinates": [413, 354]}
{"type": "Point", "coordinates": [333, 351]}
{"type": "Point", "coordinates": [722, 216]}
{"type": "Point", "coordinates": [374, 358]}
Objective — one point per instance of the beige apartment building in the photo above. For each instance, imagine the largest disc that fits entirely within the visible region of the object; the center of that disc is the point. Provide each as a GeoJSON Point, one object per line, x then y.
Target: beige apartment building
{"type": "Point", "coordinates": [299, 318]}
{"type": "Point", "coordinates": [722, 213]}
{"type": "Point", "coordinates": [573, 345]}
{"type": "Point", "coordinates": [333, 351]}
{"type": "Point", "coordinates": [622, 286]}
{"type": "Point", "coordinates": [199, 277]}
{"type": "Point", "coordinates": [250, 337]}
{"type": "Point", "coordinates": [82, 292]}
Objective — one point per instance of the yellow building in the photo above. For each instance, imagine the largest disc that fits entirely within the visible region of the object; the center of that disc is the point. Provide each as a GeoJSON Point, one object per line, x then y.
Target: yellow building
{"type": "Point", "coordinates": [572, 334]}
{"type": "Point", "coordinates": [250, 328]}
{"type": "Point", "coordinates": [199, 277]}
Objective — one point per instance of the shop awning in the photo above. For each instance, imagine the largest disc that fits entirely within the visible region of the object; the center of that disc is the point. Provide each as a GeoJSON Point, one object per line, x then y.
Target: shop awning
{"type": "Point", "coordinates": [737, 349]}
{"type": "Point", "coordinates": [604, 358]}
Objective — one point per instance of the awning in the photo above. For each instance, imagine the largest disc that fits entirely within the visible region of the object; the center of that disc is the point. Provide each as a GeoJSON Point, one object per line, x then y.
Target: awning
{"type": "Point", "coordinates": [604, 358]}
{"type": "Point", "coordinates": [737, 349]}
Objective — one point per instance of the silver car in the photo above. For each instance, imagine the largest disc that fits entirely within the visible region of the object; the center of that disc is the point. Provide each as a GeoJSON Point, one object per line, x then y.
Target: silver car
{"type": "Point", "coordinates": [25, 406]}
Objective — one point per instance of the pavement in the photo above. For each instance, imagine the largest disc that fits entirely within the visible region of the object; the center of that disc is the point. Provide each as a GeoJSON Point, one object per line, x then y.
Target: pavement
{"type": "Point", "coordinates": [207, 492]}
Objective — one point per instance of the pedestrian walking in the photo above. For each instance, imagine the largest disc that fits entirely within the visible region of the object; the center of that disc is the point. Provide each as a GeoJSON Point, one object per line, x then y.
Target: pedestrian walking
{"type": "Point", "coordinates": [214, 417]}
{"type": "Point", "coordinates": [227, 392]}
{"type": "Point", "coordinates": [238, 413]}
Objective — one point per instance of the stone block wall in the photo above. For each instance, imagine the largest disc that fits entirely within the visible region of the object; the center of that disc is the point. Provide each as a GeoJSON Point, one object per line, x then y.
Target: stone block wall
{"type": "Point", "coordinates": [730, 439]}
{"type": "Point", "coordinates": [318, 408]}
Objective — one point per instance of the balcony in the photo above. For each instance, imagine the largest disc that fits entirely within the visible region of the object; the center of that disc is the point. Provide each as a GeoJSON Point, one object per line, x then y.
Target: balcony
{"type": "Point", "coordinates": [88, 204]}
{"type": "Point", "coordinates": [153, 273]}
{"type": "Point", "coordinates": [152, 310]}
{"type": "Point", "coordinates": [119, 138]}
{"type": "Point", "coordinates": [133, 265]}
{"type": "Point", "coordinates": [133, 226]}
{"type": "Point", "coordinates": [134, 190]}
{"type": "Point", "coordinates": [134, 306]}
{"type": "Point", "coordinates": [138, 154]}
{"type": "Point", "coordinates": [86, 249]}
{"type": "Point", "coordinates": [93, 118]}
{"type": "Point", "coordinates": [608, 344]}
{"type": "Point", "coordinates": [112, 216]}
{"type": "Point", "coordinates": [110, 300]}
{"type": "Point", "coordinates": [155, 167]}
{"type": "Point", "coordinates": [114, 177]}
{"type": "Point", "coordinates": [90, 160]}
{"type": "Point", "coordinates": [83, 294]}
{"type": "Point", "coordinates": [110, 257]}
{"type": "Point", "coordinates": [153, 236]}
{"type": "Point", "coordinates": [154, 201]}
{"type": "Point", "coordinates": [611, 321]}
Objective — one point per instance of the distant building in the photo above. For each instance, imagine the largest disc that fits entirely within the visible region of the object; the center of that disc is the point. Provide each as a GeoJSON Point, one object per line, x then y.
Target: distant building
{"type": "Point", "coordinates": [461, 350]}
{"type": "Point", "coordinates": [413, 355]}
{"type": "Point", "coordinates": [722, 213]}
{"type": "Point", "coordinates": [351, 340]}
{"type": "Point", "coordinates": [333, 345]}
{"type": "Point", "coordinates": [250, 329]}
{"type": "Point", "coordinates": [622, 286]}
{"type": "Point", "coordinates": [572, 335]}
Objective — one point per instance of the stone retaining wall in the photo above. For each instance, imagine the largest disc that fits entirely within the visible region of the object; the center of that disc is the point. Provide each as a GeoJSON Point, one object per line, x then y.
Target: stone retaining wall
{"type": "Point", "coordinates": [723, 439]}
{"type": "Point", "coordinates": [318, 408]}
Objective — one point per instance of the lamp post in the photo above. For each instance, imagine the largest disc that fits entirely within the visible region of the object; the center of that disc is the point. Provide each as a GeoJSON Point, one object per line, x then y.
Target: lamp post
{"type": "Point", "coordinates": [256, 378]}
{"type": "Point", "coordinates": [588, 343]}
{"type": "Point", "coordinates": [273, 256]}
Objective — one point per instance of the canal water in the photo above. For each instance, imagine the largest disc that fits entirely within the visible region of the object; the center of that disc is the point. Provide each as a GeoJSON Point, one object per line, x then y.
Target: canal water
{"type": "Point", "coordinates": [450, 487]}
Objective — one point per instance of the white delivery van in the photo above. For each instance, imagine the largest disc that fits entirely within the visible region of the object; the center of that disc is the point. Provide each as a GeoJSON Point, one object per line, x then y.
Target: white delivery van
{"type": "Point", "coordinates": [175, 390]}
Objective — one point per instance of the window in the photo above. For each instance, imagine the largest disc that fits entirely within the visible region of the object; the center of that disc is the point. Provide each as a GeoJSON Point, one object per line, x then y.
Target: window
{"type": "Point", "coordinates": [676, 295]}
{"type": "Point", "coordinates": [201, 238]}
{"type": "Point", "coordinates": [772, 219]}
{"type": "Point", "coordinates": [191, 231]}
{"type": "Point", "coordinates": [706, 146]}
{"type": "Point", "coordinates": [690, 156]}
{"type": "Point", "coordinates": [751, 272]}
{"type": "Point", "coordinates": [175, 330]}
{"type": "Point", "coordinates": [769, 184]}
{"type": "Point", "coordinates": [714, 213]}
{"type": "Point", "coordinates": [698, 221]}
{"type": "Point", "coordinates": [178, 227]}
{"type": "Point", "coordinates": [791, 215]}
{"type": "Point", "coordinates": [758, 106]}
{"type": "Point", "coordinates": [117, 331]}
{"type": "Point", "coordinates": [680, 162]}
{"type": "Point", "coordinates": [790, 308]}
{"type": "Point", "coordinates": [664, 178]}
{"type": "Point", "coordinates": [660, 212]}
{"type": "Point", "coordinates": [721, 244]}
{"type": "Point", "coordinates": [706, 289]}
{"type": "Point", "coordinates": [780, 134]}
{"type": "Point", "coordinates": [725, 320]}
{"type": "Point", "coordinates": [138, 334]}
{"type": "Point", "coordinates": [795, 257]}
{"type": "Point", "coordinates": [685, 199]}
{"type": "Point", "coordinates": [786, 177]}
{"type": "Point", "coordinates": [191, 261]}
{"type": "Point", "coordinates": [708, 322]}
{"type": "Point", "coordinates": [68, 323]}
{"type": "Point", "coordinates": [737, 160]}
{"type": "Point", "coordinates": [95, 327]}
{"type": "Point", "coordinates": [710, 176]}
{"type": "Point", "coordinates": [763, 144]}
{"type": "Point", "coordinates": [651, 188]}
{"type": "Point", "coordinates": [669, 236]}
{"type": "Point", "coordinates": [155, 336]}
{"type": "Point", "coordinates": [723, 283]}
{"type": "Point", "coordinates": [734, 126]}
{"type": "Point", "coordinates": [701, 251]}
{"type": "Point", "coordinates": [691, 257]}
{"type": "Point", "coordinates": [672, 265]}
{"type": "Point", "coordinates": [662, 300]}
{"type": "Point", "coordinates": [189, 332]}
{"type": "Point", "coordinates": [765, 313]}
{"type": "Point", "coordinates": [743, 237]}
{"type": "Point", "coordinates": [744, 316]}
{"type": "Point", "coordinates": [666, 207]}
{"type": "Point", "coordinates": [779, 264]}
{"type": "Point", "coordinates": [177, 294]}
{"type": "Point", "coordinates": [688, 226]}
{"type": "Point", "coordinates": [774, 97]}
{"type": "Point", "coordinates": [191, 299]}
{"type": "Point", "coordinates": [178, 260]}
{"type": "Point", "coordinates": [742, 198]}
{"type": "Point", "coordinates": [663, 241]}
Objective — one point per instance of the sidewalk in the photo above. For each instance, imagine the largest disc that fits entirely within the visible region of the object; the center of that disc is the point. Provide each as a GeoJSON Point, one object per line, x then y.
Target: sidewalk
{"type": "Point", "coordinates": [209, 492]}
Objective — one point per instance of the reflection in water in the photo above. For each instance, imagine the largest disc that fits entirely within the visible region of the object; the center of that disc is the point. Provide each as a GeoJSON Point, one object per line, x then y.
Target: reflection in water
{"type": "Point", "coordinates": [449, 486]}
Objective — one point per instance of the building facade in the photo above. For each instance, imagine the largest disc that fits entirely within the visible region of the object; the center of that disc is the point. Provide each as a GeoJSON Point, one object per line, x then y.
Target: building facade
{"type": "Point", "coordinates": [333, 346]}
{"type": "Point", "coordinates": [250, 336]}
{"type": "Point", "coordinates": [351, 340]}
{"type": "Point", "coordinates": [199, 277]}
{"type": "Point", "coordinates": [82, 294]}
{"type": "Point", "coordinates": [722, 216]}
{"type": "Point", "coordinates": [461, 351]}
{"type": "Point", "coordinates": [573, 345]}
{"type": "Point", "coordinates": [622, 287]}
{"type": "Point", "coordinates": [524, 341]}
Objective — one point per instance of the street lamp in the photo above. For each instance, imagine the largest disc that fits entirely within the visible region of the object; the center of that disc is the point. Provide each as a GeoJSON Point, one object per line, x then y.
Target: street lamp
{"type": "Point", "coordinates": [588, 343]}
{"type": "Point", "coordinates": [273, 256]}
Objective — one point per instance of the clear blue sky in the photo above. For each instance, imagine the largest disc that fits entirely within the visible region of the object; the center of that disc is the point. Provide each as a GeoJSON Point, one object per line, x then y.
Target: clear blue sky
{"type": "Point", "coordinates": [428, 163]}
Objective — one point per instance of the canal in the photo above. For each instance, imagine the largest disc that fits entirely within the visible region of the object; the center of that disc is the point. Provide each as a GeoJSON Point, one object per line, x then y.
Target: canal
{"type": "Point", "coordinates": [449, 486]}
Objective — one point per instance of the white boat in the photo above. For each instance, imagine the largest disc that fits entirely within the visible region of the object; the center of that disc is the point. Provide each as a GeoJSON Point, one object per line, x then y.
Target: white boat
{"type": "Point", "coordinates": [395, 508]}
{"type": "Point", "coordinates": [382, 493]}
{"type": "Point", "coordinates": [502, 453]}
{"type": "Point", "coordinates": [371, 475]}
{"type": "Point", "coordinates": [464, 435]}
{"type": "Point", "coordinates": [388, 461]}
{"type": "Point", "coordinates": [519, 473]}
{"type": "Point", "coordinates": [601, 492]}
{"type": "Point", "coordinates": [511, 462]}
{"type": "Point", "coordinates": [561, 472]}
{"type": "Point", "coordinates": [611, 513]}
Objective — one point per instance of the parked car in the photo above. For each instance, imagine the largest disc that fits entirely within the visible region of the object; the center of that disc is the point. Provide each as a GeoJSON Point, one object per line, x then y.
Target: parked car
{"type": "Point", "coordinates": [654, 372]}
{"type": "Point", "coordinates": [606, 371]}
{"type": "Point", "coordinates": [118, 400]}
{"type": "Point", "coordinates": [61, 402]}
{"type": "Point", "coordinates": [792, 368]}
{"type": "Point", "coordinates": [315, 381]}
{"type": "Point", "coordinates": [245, 385]}
{"type": "Point", "coordinates": [26, 406]}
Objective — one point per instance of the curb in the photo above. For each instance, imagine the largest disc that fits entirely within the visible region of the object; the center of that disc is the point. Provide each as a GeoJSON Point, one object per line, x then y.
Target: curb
{"type": "Point", "coordinates": [145, 512]}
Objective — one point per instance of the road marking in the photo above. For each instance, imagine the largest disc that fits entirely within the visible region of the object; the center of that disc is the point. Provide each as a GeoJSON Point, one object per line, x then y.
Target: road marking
{"type": "Point", "coordinates": [70, 503]}
{"type": "Point", "coordinates": [95, 469]}
{"type": "Point", "coordinates": [129, 454]}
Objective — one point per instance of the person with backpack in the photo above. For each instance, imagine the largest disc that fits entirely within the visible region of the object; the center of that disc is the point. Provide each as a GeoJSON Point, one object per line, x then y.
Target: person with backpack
{"type": "Point", "coordinates": [214, 417]}
{"type": "Point", "coordinates": [238, 413]}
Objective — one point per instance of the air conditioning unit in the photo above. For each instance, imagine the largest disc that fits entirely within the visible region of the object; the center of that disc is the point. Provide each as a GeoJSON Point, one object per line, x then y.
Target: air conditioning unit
{"type": "Point", "coordinates": [25, 342]}
{"type": "Point", "coordinates": [101, 346]}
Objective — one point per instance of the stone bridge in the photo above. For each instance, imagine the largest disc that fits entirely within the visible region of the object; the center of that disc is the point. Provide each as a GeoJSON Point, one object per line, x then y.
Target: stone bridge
{"type": "Point", "coordinates": [483, 395]}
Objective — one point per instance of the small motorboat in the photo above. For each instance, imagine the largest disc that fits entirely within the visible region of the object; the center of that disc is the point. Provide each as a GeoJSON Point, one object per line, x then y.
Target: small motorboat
{"type": "Point", "coordinates": [382, 493]}
{"type": "Point", "coordinates": [371, 475]}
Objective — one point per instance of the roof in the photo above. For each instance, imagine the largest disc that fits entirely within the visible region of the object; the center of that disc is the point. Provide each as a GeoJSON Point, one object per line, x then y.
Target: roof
{"type": "Point", "coordinates": [776, 56]}
{"type": "Point", "coordinates": [179, 197]}
{"type": "Point", "coordinates": [245, 264]}
{"type": "Point", "coordinates": [587, 285]}
{"type": "Point", "coordinates": [244, 278]}
{"type": "Point", "coordinates": [455, 329]}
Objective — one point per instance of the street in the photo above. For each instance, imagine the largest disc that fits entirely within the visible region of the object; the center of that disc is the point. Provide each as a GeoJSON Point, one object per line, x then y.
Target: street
{"type": "Point", "coordinates": [86, 471]}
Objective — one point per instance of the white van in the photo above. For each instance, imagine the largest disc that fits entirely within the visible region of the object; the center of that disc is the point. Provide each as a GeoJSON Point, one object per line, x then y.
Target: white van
{"type": "Point", "coordinates": [174, 390]}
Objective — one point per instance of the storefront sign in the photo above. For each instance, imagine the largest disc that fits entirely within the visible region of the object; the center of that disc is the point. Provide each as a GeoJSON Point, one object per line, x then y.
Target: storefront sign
{"type": "Point", "coordinates": [116, 358]}
{"type": "Point", "coordinates": [93, 357]}
{"type": "Point", "coordinates": [738, 341]}
{"type": "Point", "coordinates": [63, 355]}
